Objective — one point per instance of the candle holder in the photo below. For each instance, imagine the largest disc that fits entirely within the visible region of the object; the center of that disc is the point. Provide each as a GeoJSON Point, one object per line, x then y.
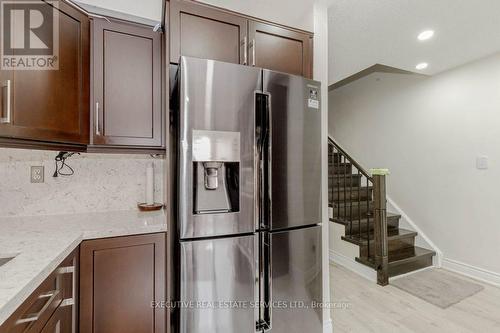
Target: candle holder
{"type": "Point", "coordinates": [144, 207]}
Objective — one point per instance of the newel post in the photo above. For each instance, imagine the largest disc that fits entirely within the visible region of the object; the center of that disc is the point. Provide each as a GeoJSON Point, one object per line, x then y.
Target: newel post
{"type": "Point", "coordinates": [380, 228]}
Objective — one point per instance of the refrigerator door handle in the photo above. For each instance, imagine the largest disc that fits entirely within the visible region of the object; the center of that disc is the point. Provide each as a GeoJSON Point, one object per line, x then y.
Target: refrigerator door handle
{"type": "Point", "coordinates": [263, 167]}
{"type": "Point", "coordinates": [266, 311]}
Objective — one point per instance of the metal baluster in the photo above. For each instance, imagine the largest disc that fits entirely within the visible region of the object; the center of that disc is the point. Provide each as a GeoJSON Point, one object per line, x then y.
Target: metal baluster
{"type": "Point", "coordinates": [368, 217]}
{"type": "Point", "coordinates": [345, 197]}
{"type": "Point", "coordinates": [350, 194]}
{"type": "Point", "coordinates": [359, 205]}
{"type": "Point", "coordinates": [338, 188]}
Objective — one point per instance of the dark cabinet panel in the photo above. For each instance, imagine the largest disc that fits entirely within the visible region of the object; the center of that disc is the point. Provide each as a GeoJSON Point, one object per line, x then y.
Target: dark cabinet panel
{"type": "Point", "coordinates": [203, 32]}
{"type": "Point", "coordinates": [120, 280]}
{"type": "Point", "coordinates": [280, 49]}
{"type": "Point", "coordinates": [60, 322]}
{"type": "Point", "coordinates": [52, 105]}
{"type": "Point", "coordinates": [126, 85]}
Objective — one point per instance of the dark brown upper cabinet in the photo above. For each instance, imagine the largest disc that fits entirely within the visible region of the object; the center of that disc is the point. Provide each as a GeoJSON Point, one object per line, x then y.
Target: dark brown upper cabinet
{"type": "Point", "coordinates": [51, 105]}
{"type": "Point", "coordinates": [120, 280]}
{"type": "Point", "coordinates": [127, 76]}
{"type": "Point", "coordinates": [203, 31]}
{"type": "Point", "coordinates": [280, 49]}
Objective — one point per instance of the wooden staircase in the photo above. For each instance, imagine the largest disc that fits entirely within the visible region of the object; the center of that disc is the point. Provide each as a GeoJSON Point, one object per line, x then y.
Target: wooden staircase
{"type": "Point", "coordinates": [352, 195]}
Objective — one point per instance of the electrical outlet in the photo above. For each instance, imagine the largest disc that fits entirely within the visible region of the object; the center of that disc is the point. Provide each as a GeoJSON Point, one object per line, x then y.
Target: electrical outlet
{"type": "Point", "coordinates": [482, 162]}
{"type": "Point", "coordinates": [37, 174]}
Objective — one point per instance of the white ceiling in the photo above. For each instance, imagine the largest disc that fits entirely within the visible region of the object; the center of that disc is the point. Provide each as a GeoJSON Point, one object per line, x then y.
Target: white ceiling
{"type": "Point", "coordinates": [293, 13]}
{"type": "Point", "coordinates": [366, 32]}
{"type": "Point", "coordinates": [150, 9]}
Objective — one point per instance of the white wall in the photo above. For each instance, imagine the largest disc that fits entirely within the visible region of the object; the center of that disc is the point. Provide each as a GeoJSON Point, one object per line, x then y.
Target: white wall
{"type": "Point", "coordinates": [150, 9]}
{"type": "Point", "coordinates": [428, 132]}
{"type": "Point", "coordinates": [293, 13]}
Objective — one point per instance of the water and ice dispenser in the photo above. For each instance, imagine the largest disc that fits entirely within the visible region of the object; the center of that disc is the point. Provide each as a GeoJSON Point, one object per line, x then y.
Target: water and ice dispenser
{"type": "Point", "coordinates": [216, 168]}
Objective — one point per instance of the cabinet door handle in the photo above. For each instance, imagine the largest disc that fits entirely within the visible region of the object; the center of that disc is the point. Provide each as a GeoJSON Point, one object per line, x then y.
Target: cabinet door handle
{"type": "Point", "coordinates": [96, 121]}
{"type": "Point", "coordinates": [253, 52]}
{"type": "Point", "coordinates": [6, 120]}
{"type": "Point", "coordinates": [52, 295]}
{"type": "Point", "coordinates": [245, 51]}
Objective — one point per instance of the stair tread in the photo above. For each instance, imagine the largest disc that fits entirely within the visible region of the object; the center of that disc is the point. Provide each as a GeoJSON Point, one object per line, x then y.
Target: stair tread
{"type": "Point", "coordinates": [342, 175]}
{"type": "Point", "coordinates": [364, 220]}
{"type": "Point", "coordinates": [392, 234]}
{"type": "Point", "coordinates": [400, 257]}
{"type": "Point", "coordinates": [353, 203]}
{"type": "Point", "coordinates": [346, 189]}
{"type": "Point", "coordinates": [408, 254]}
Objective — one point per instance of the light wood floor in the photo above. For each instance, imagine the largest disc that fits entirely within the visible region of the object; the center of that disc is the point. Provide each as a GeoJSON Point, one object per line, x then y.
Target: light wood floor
{"type": "Point", "coordinates": [387, 309]}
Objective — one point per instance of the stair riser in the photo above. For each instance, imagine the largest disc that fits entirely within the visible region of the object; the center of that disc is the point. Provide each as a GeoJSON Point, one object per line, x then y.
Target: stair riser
{"type": "Point", "coordinates": [354, 212]}
{"type": "Point", "coordinates": [341, 181]}
{"type": "Point", "coordinates": [340, 169]}
{"type": "Point", "coordinates": [334, 158]}
{"type": "Point", "coordinates": [353, 195]}
{"type": "Point", "coordinates": [422, 262]}
{"type": "Point", "coordinates": [394, 245]}
{"type": "Point", "coordinates": [391, 223]}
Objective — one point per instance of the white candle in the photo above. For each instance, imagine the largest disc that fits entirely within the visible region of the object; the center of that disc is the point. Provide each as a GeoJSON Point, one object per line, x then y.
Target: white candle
{"type": "Point", "coordinates": [150, 184]}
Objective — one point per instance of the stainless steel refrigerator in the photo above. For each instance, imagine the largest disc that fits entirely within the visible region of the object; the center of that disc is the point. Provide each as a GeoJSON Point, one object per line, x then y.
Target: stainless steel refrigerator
{"type": "Point", "coordinates": [249, 200]}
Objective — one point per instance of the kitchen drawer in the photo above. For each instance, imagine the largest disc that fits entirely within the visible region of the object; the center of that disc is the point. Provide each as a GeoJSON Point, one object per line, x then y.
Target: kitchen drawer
{"type": "Point", "coordinates": [56, 292]}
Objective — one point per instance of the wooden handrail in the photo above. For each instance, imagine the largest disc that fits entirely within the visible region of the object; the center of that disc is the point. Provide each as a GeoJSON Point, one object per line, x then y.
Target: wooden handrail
{"type": "Point", "coordinates": [351, 160]}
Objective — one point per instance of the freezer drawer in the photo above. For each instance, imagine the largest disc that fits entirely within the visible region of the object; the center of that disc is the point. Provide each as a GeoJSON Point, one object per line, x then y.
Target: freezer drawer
{"type": "Point", "coordinates": [295, 131]}
{"type": "Point", "coordinates": [296, 281]}
{"type": "Point", "coordinates": [215, 271]}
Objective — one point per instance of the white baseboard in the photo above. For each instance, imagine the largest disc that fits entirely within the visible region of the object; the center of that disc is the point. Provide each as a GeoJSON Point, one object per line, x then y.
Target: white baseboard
{"type": "Point", "coordinates": [438, 262]}
{"type": "Point", "coordinates": [328, 326]}
{"type": "Point", "coordinates": [353, 265]}
{"type": "Point", "coordinates": [477, 273]}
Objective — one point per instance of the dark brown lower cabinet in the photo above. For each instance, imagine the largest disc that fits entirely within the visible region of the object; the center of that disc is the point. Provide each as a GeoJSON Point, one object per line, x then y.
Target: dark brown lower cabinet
{"type": "Point", "coordinates": [120, 280]}
{"type": "Point", "coordinates": [53, 306]}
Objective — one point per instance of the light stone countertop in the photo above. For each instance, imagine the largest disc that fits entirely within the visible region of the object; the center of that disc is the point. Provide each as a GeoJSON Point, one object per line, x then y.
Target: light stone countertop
{"type": "Point", "coordinates": [43, 242]}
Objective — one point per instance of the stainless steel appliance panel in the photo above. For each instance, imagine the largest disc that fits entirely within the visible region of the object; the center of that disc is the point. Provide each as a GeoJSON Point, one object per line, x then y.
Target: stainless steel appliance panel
{"type": "Point", "coordinates": [217, 100]}
{"type": "Point", "coordinates": [295, 114]}
{"type": "Point", "coordinates": [296, 281]}
{"type": "Point", "coordinates": [214, 271]}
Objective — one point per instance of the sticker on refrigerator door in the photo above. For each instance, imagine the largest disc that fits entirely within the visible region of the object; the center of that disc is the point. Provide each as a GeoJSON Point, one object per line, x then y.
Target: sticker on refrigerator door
{"type": "Point", "coordinates": [313, 100]}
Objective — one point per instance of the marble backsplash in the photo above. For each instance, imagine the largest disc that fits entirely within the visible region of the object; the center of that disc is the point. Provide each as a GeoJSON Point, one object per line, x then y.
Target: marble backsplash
{"type": "Point", "coordinates": [101, 182]}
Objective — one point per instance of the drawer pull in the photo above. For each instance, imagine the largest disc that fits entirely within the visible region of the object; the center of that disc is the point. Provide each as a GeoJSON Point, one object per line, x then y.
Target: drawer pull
{"type": "Point", "coordinates": [7, 119]}
{"type": "Point", "coordinates": [51, 295]}
{"type": "Point", "coordinates": [97, 122]}
{"type": "Point", "coordinates": [68, 270]}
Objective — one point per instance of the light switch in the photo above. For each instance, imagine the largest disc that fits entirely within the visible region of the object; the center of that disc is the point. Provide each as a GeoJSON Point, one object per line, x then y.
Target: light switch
{"type": "Point", "coordinates": [482, 162]}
